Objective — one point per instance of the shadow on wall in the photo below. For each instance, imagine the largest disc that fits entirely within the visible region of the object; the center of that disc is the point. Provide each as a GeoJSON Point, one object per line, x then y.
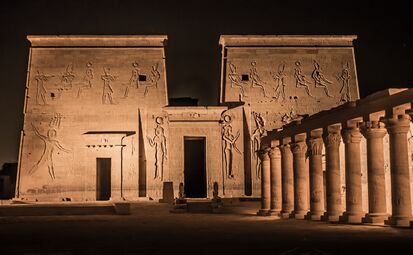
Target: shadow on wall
{"type": "Point", "coordinates": [8, 180]}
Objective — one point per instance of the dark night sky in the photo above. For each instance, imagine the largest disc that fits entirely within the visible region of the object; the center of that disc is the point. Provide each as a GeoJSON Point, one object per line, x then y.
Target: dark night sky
{"type": "Point", "coordinates": [384, 50]}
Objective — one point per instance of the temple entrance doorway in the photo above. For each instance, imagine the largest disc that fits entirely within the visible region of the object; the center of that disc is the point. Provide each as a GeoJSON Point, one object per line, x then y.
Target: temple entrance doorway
{"type": "Point", "coordinates": [195, 167]}
{"type": "Point", "coordinates": [103, 178]}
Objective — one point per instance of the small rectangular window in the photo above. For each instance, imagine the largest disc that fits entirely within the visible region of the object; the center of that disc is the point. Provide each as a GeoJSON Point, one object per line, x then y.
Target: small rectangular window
{"type": "Point", "coordinates": [245, 77]}
{"type": "Point", "coordinates": [142, 77]}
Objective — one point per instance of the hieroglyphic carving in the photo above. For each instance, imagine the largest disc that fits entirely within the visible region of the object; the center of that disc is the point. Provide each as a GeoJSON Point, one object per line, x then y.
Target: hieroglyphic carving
{"type": "Point", "coordinates": [288, 117]}
{"type": "Point", "coordinates": [300, 79]}
{"type": "Point", "coordinates": [67, 77]}
{"type": "Point", "coordinates": [159, 143]}
{"type": "Point", "coordinates": [345, 77]}
{"type": "Point", "coordinates": [319, 79]}
{"type": "Point", "coordinates": [235, 79]}
{"type": "Point", "coordinates": [256, 81]}
{"type": "Point", "coordinates": [50, 144]}
{"type": "Point", "coordinates": [41, 88]}
{"type": "Point", "coordinates": [229, 143]}
{"type": "Point", "coordinates": [133, 80]}
{"type": "Point", "coordinates": [258, 133]}
{"type": "Point", "coordinates": [279, 78]}
{"type": "Point", "coordinates": [107, 96]}
{"type": "Point", "coordinates": [87, 79]}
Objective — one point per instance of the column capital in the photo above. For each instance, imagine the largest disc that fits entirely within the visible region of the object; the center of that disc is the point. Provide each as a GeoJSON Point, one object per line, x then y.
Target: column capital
{"type": "Point", "coordinates": [351, 135]}
{"type": "Point", "coordinates": [331, 136]}
{"type": "Point", "coordinates": [274, 152]}
{"type": "Point", "coordinates": [315, 146]}
{"type": "Point", "coordinates": [284, 147]}
{"type": "Point", "coordinates": [298, 147]}
{"type": "Point", "coordinates": [264, 154]}
{"type": "Point", "coordinates": [373, 129]}
{"type": "Point", "coordinates": [397, 123]}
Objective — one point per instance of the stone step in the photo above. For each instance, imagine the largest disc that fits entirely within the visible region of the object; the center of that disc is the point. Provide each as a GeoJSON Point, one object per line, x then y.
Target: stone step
{"type": "Point", "coordinates": [63, 209]}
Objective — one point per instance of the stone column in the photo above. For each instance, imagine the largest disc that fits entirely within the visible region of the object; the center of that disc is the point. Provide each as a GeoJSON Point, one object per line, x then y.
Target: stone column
{"type": "Point", "coordinates": [315, 144]}
{"type": "Point", "coordinates": [354, 204]}
{"type": "Point", "coordinates": [265, 183]}
{"type": "Point", "coordinates": [374, 135]}
{"type": "Point", "coordinates": [332, 137]}
{"type": "Point", "coordinates": [397, 126]}
{"type": "Point", "coordinates": [287, 180]}
{"type": "Point", "coordinates": [299, 149]}
{"type": "Point", "coordinates": [275, 176]}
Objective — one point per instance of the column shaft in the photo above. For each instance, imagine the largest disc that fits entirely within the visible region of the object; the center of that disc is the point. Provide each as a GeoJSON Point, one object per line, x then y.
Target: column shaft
{"type": "Point", "coordinates": [316, 178]}
{"type": "Point", "coordinates": [333, 183]}
{"type": "Point", "coordinates": [275, 175]}
{"type": "Point", "coordinates": [375, 172]}
{"type": "Point", "coordinates": [397, 127]}
{"type": "Point", "coordinates": [299, 149]}
{"type": "Point", "coordinates": [265, 184]}
{"type": "Point", "coordinates": [287, 180]}
{"type": "Point", "coordinates": [354, 207]}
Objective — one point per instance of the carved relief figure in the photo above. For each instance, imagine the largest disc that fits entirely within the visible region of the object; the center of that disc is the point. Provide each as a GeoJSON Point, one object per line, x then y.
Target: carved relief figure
{"type": "Point", "coordinates": [67, 77]}
{"type": "Point", "coordinates": [235, 79]}
{"type": "Point", "coordinates": [50, 145]}
{"type": "Point", "coordinates": [256, 81]}
{"type": "Point", "coordinates": [345, 77]}
{"type": "Point", "coordinates": [41, 88]}
{"type": "Point", "coordinates": [300, 80]}
{"type": "Point", "coordinates": [133, 80]}
{"type": "Point", "coordinates": [159, 143]}
{"type": "Point", "coordinates": [229, 143]}
{"type": "Point", "coordinates": [319, 79]}
{"type": "Point", "coordinates": [258, 133]}
{"type": "Point", "coordinates": [107, 96]}
{"type": "Point", "coordinates": [154, 77]}
{"type": "Point", "coordinates": [87, 79]}
{"type": "Point", "coordinates": [279, 79]}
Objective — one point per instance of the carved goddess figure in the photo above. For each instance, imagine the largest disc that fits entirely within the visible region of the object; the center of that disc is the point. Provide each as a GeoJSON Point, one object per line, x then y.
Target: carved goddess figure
{"type": "Point", "coordinates": [229, 143]}
{"type": "Point", "coordinates": [345, 88]}
{"type": "Point", "coordinates": [258, 133]}
{"type": "Point", "coordinates": [50, 144]}
{"type": "Point", "coordinates": [67, 77]}
{"type": "Point", "coordinates": [235, 79]}
{"type": "Point", "coordinates": [279, 79]}
{"type": "Point", "coordinates": [87, 79]}
{"type": "Point", "coordinates": [159, 142]}
{"type": "Point", "coordinates": [133, 80]}
{"type": "Point", "coordinates": [319, 79]}
{"type": "Point", "coordinates": [256, 81]}
{"type": "Point", "coordinates": [41, 89]}
{"type": "Point", "coordinates": [107, 88]}
{"type": "Point", "coordinates": [300, 80]}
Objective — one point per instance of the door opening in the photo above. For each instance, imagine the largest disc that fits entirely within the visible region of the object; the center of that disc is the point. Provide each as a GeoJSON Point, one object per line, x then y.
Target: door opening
{"type": "Point", "coordinates": [195, 168]}
{"type": "Point", "coordinates": [103, 178]}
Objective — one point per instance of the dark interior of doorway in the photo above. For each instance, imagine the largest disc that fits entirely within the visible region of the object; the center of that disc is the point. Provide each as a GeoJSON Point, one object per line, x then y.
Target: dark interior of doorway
{"type": "Point", "coordinates": [195, 170]}
{"type": "Point", "coordinates": [103, 179]}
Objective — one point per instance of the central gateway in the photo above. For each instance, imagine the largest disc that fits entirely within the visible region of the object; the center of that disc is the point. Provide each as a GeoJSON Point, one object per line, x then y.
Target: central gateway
{"type": "Point", "coordinates": [195, 172]}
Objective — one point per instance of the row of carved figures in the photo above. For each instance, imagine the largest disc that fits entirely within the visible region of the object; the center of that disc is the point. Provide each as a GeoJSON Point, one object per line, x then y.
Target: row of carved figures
{"type": "Point", "coordinates": [68, 78]}
{"type": "Point", "coordinates": [301, 81]}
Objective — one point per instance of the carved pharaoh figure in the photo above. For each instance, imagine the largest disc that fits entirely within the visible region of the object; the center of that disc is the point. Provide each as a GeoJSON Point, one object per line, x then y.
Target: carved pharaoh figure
{"type": "Point", "coordinates": [235, 79]}
{"type": "Point", "coordinates": [258, 133]}
{"type": "Point", "coordinates": [300, 80]}
{"type": "Point", "coordinates": [159, 143]}
{"type": "Point", "coordinates": [279, 79]}
{"type": "Point", "coordinates": [107, 96]}
{"type": "Point", "coordinates": [41, 88]}
{"type": "Point", "coordinates": [229, 144]}
{"type": "Point", "coordinates": [256, 81]}
{"type": "Point", "coordinates": [50, 145]}
{"type": "Point", "coordinates": [87, 79]}
{"type": "Point", "coordinates": [133, 80]}
{"type": "Point", "coordinates": [67, 77]}
{"type": "Point", "coordinates": [319, 79]}
{"type": "Point", "coordinates": [345, 77]}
